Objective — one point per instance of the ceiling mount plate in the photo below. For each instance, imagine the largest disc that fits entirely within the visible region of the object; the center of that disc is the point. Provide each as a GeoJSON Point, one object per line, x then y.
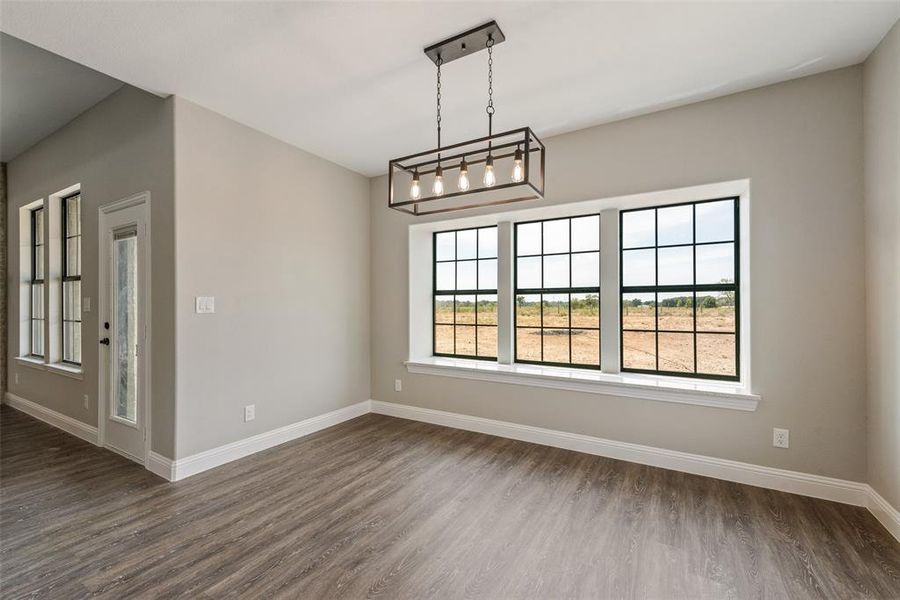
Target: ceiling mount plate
{"type": "Point", "coordinates": [465, 43]}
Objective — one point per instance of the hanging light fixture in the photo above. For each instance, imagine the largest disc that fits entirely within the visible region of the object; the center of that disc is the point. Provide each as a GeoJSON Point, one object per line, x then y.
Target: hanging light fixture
{"type": "Point", "coordinates": [438, 187]}
{"type": "Point", "coordinates": [513, 160]}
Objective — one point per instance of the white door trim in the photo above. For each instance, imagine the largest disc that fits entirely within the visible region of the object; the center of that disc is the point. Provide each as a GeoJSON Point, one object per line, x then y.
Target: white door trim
{"type": "Point", "coordinates": [142, 198]}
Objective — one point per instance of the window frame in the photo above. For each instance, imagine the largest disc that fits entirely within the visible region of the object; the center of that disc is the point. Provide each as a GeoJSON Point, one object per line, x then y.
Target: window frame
{"type": "Point", "coordinates": [34, 280]}
{"type": "Point", "coordinates": [542, 291]}
{"type": "Point", "coordinates": [693, 289]}
{"type": "Point", "coordinates": [435, 293]}
{"type": "Point", "coordinates": [733, 395]}
{"type": "Point", "coordinates": [65, 277]}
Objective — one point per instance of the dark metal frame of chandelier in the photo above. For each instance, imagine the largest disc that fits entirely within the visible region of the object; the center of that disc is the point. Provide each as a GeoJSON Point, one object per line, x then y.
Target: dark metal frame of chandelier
{"type": "Point", "coordinates": [533, 154]}
{"type": "Point", "coordinates": [494, 146]}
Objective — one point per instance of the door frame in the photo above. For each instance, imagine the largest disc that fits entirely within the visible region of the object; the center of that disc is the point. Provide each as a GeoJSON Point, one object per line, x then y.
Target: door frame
{"type": "Point", "coordinates": [139, 199]}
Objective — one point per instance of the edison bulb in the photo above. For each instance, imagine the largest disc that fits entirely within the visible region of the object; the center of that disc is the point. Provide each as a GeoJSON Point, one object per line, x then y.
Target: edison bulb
{"type": "Point", "coordinates": [463, 181]}
{"type": "Point", "coordinates": [518, 173]}
{"type": "Point", "coordinates": [438, 188]}
{"type": "Point", "coordinates": [415, 191]}
{"type": "Point", "coordinates": [489, 178]}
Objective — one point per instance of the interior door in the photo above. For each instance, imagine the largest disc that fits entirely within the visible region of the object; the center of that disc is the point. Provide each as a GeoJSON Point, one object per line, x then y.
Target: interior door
{"type": "Point", "coordinates": [123, 331]}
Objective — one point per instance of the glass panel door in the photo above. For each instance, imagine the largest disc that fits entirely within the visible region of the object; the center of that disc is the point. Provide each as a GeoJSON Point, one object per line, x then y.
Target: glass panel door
{"type": "Point", "coordinates": [125, 315]}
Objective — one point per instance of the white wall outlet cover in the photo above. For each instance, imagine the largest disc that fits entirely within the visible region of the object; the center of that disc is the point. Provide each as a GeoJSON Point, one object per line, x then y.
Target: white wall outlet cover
{"type": "Point", "coordinates": [86, 304]}
{"type": "Point", "coordinates": [781, 438]}
{"type": "Point", "coordinates": [17, 379]}
{"type": "Point", "coordinates": [85, 401]}
{"type": "Point", "coordinates": [249, 412]}
{"type": "Point", "coordinates": [398, 385]}
{"type": "Point", "coordinates": [205, 304]}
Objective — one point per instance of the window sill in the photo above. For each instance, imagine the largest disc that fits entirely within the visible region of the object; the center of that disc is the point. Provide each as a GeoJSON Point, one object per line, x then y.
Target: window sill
{"type": "Point", "coordinates": [32, 362]}
{"type": "Point", "coordinates": [66, 370]}
{"type": "Point", "coordinates": [647, 387]}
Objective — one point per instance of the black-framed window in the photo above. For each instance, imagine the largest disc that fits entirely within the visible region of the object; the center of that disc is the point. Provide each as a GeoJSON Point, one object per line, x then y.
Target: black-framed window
{"type": "Point", "coordinates": [37, 282]}
{"type": "Point", "coordinates": [71, 279]}
{"type": "Point", "coordinates": [557, 291]}
{"type": "Point", "coordinates": [679, 281]}
{"type": "Point", "coordinates": [465, 293]}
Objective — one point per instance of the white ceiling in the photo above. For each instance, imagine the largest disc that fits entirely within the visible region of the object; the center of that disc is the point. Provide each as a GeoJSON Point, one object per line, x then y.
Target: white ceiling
{"type": "Point", "coordinates": [348, 81]}
{"type": "Point", "coordinates": [40, 92]}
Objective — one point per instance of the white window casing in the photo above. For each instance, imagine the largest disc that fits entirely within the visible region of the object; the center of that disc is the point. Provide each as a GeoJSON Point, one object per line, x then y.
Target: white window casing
{"type": "Point", "coordinates": [719, 394]}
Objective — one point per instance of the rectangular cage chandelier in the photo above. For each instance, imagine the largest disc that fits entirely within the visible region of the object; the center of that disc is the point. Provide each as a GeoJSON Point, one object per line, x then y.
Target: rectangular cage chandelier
{"type": "Point", "coordinates": [499, 168]}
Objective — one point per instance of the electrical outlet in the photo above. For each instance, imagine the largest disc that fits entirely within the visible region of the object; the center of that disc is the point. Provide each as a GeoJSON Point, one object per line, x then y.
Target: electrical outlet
{"type": "Point", "coordinates": [86, 304]}
{"type": "Point", "coordinates": [17, 379]}
{"type": "Point", "coordinates": [249, 412]}
{"type": "Point", "coordinates": [398, 385]}
{"type": "Point", "coordinates": [781, 438]}
{"type": "Point", "coordinates": [85, 402]}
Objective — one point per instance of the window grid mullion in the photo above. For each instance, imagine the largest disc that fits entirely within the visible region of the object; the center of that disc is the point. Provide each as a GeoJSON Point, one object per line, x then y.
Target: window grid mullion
{"type": "Point", "coordinates": [570, 293]}
{"type": "Point", "coordinates": [694, 269]}
{"type": "Point", "coordinates": [656, 281]}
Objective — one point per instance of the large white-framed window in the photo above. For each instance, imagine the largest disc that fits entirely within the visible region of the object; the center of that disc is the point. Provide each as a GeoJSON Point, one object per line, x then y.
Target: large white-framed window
{"type": "Point", "coordinates": [70, 278]}
{"type": "Point", "coordinates": [702, 383]}
{"type": "Point", "coordinates": [32, 274]}
{"type": "Point", "coordinates": [50, 283]}
{"type": "Point", "coordinates": [36, 299]}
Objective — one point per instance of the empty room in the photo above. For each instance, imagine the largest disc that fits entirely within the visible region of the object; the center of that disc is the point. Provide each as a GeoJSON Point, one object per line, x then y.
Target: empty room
{"type": "Point", "coordinates": [412, 299]}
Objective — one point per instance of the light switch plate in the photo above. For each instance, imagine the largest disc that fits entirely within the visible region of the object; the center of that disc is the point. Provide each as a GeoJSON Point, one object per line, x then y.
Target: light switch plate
{"type": "Point", "coordinates": [86, 304]}
{"type": "Point", "coordinates": [249, 413]}
{"type": "Point", "coordinates": [398, 385]}
{"type": "Point", "coordinates": [205, 304]}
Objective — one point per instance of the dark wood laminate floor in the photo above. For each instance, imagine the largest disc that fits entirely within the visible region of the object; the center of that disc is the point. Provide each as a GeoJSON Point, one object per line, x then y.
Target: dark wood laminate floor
{"type": "Point", "coordinates": [382, 507]}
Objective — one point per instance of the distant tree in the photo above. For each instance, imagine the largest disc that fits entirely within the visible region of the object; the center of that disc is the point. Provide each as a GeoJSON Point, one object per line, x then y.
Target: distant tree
{"type": "Point", "coordinates": [709, 302]}
{"type": "Point", "coordinates": [590, 303]}
{"type": "Point", "coordinates": [727, 298]}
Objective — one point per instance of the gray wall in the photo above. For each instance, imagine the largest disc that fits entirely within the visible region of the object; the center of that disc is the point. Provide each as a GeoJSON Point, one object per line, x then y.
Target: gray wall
{"type": "Point", "coordinates": [3, 274]}
{"type": "Point", "coordinates": [882, 221]}
{"type": "Point", "coordinates": [121, 146]}
{"type": "Point", "coordinates": [281, 239]}
{"type": "Point", "coordinates": [800, 143]}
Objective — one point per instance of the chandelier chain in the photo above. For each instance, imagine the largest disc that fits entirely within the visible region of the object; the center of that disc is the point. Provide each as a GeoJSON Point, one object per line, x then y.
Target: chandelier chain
{"type": "Point", "coordinates": [440, 61]}
{"type": "Point", "coordinates": [490, 105]}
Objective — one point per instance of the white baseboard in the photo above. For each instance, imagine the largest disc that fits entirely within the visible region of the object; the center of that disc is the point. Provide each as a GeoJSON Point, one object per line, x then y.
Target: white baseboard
{"type": "Point", "coordinates": [81, 430]}
{"type": "Point", "coordinates": [203, 461]}
{"type": "Point", "coordinates": [886, 514]}
{"type": "Point", "coordinates": [816, 486]}
{"type": "Point", "coordinates": [162, 466]}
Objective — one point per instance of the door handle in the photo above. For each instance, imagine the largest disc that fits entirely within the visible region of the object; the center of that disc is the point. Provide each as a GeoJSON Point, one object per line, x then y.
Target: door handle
{"type": "Point", "coordinates": [105, 341]}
